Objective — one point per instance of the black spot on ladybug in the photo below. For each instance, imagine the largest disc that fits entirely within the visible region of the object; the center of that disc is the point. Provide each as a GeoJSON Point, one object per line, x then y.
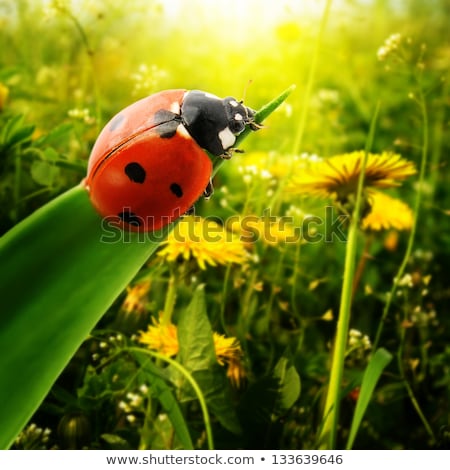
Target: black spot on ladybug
{"type": "Point", "coordinates": [135, 172]}
{"type": "Point", "coordinates": [176, 189]}
{"type": "Point", "coordinates": [116, 122]}
{"type": "Point", "coordinates": [166, 123]}
{"type": "Point", "coordinates": [130, 218]}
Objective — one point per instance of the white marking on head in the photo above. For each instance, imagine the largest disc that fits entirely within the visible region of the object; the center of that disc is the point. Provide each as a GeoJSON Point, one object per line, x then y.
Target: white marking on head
{"type": "Point", "coordinates": [227, 138]}
{"type": "Point", "coordinates": [175, 107]}
{"type": "Point", "coordinates": [182, 132]}
{"type": "Point", "coordinates": [238, 117]}
{"type": "Point", "coordinates": [234, 103]}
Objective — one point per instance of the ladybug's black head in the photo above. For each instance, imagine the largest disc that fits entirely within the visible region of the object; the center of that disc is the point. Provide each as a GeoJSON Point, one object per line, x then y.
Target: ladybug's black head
{"type": "Point", "coordinates": [215, 123]}
{"type": "Point", "coordinates": [238, 115]}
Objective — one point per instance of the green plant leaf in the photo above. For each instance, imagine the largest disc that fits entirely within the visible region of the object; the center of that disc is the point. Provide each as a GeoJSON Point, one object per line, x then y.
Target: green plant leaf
{"type": "Point", "coordinates": [60, 271]}
{"type": "Point", "coordinates": [55, 135]}
{"type": "Point", "coordinates": [15, 132]}
{"type": "Point", "coordinates": [268, 399]}
{"type": "Point", "coordinates": [272, 396]}
{"type": "Point", "coordinates": [44, 173]}
{"type": "Point", "coordinates": [374, 369]}
{"type": "Point", "coordinates": [197, 355]}
{"type": "Point", "coordinates": [195, 335]}
{"type": "Point", "coordinates": [115, 442]}
{"type": "Point", "coordinates": [289, 386]}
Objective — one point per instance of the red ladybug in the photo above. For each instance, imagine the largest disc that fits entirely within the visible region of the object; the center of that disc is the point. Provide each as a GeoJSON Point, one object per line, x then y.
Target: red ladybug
{"type": "Point", "coordinates": [149, 165]}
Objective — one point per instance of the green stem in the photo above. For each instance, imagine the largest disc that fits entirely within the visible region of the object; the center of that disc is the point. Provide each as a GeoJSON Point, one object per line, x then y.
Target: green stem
{"type": "Point", "coordinates": [226, 280]}
{"type": "Point", "coordinates": [412, 235]}
{"type": "Point", "coordinates": [328, 434]}
{"type": "Point", "coordinates": [331, 411]}
{"type": "Point", "coordinates": [310, 81]}
{"type": "Point", "coordinates": [147, 426]}
{"type": "Point", "coordinates": [295, 275]}
{"type": "Point", "coordinates": [17, 184]}
{"type": "Point", "coordinates": [409, 389]}
{"type": "Point", "coordinates": [192, 382]}
{"type": "Point", "coordinates": [171, 297]}
{"type": "Point", "coordinates": [362, 264]}
{"type": "Point", "coordinates": [90, 55]}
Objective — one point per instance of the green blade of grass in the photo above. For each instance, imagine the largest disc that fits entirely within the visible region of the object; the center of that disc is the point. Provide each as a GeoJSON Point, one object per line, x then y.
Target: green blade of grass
{"type": "Point", "coordinates": [374, 369]}
{"type": "Point", "coordinates": [58, 276]}
{"type": "Point", "coordinates": [60, 270]}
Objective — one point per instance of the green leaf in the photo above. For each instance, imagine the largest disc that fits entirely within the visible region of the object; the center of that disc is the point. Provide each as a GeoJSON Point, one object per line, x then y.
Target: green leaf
{"type": "Point", "coordinates": [56, 135]}
{"type": "Point", "coordinates": [163, 393]}
{"type": "Point", "coordinates": [272, 396]}
{"type": "Point", "coordinates": [115, 442]}
{"type": "Point", "coordinates": [44, 173]}
{"type": "Point", "coordinates": [197, 355]}
{"type": "Point", "coordinates": [60, 271]}
{"type": "Point", "coordinates": [374, 369]}
{"type": "Point", "coordinates": [289, 386]}
{"type": "Point", "coordinates": [267, 400]}
{"type": "Point", "coordinates": [195, 335]}
{"type": "Point", "coordinates": [15, 132]}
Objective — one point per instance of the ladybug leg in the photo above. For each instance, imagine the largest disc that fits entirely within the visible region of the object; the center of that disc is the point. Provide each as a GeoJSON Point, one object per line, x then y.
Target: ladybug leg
{"type": "Point", "coordinates": [207, 193]}
{"type": "Point", "coordinates": [254, 126]}
{"type": "Point", "coordinates": [229, 153]}
{"type": "Point", "coordinates": [190, 211]}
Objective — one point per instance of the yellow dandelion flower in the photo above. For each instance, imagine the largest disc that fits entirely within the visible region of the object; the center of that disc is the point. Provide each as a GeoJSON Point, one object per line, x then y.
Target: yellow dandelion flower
{"type": "Point", "coordinates": [266, 163]}
{"type": "Point", "coordinates": [164, 339]}
{"type": "Point", "coordinates": [161, 338]}
{"type": "Point", "coordinates": [236, 372]}
{"type": "Point", "coordinates": [338, 176]}
{"type": "Point", "coordinates": [270, 230]}
{"type": "Point", "coordinates": [227, 349]}
{"type": "Point", "coordinates": [136, 297]}
{"type": "Point", "coordinates": [4, 93]}
{"type": "Point", "coordinates": [391, 241]}
{"type": "Point", "coordinates": [204, 241]}
{"type": "Point", "coordinates": [387, 213]}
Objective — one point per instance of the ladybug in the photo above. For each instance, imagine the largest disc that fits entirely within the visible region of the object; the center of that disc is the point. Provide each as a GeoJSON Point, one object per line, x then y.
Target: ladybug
{"type": "Point", "coordinates": [150, 164]}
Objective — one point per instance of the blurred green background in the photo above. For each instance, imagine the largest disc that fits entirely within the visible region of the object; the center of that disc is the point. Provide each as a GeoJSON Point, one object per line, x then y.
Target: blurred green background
{"type": "Point", "coordinates": [66, 67]}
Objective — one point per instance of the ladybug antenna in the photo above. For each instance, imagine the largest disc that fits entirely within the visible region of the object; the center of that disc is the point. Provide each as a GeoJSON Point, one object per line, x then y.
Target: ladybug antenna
{"type": "Point", "coordinates": [250, 81]}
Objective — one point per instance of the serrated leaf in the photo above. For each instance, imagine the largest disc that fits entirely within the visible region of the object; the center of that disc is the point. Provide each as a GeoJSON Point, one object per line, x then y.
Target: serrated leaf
{"type": "Point", "coordinates": [216, 389]}
{"type": "Point", "coordinates": [272, 396]}
{"type": "Point", "coordinates": [195, 335]}
{"type": "Point", "coordinates": [266, 401]}
{"type": "Point", "coordinates": [197, 355]}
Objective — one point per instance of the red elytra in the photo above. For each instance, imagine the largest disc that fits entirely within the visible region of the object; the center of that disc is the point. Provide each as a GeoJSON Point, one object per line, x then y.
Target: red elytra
{"type": "Point", "coordinates": [139, 178]}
